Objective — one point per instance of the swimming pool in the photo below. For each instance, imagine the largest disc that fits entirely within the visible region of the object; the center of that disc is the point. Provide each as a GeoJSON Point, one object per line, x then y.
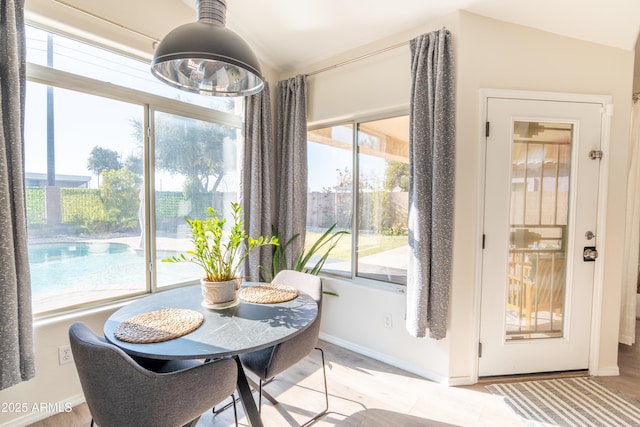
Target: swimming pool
{"type": "Point", "coordinates": [76, 266]}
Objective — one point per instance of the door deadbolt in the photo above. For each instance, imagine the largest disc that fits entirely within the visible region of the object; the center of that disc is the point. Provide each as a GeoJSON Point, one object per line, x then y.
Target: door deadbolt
{"type": "Point", "coordinates": [589, 254]}
{"type": "Point", "coordinates": [595, 154]}
{"type": "Point", "coordinates": [589, 235]}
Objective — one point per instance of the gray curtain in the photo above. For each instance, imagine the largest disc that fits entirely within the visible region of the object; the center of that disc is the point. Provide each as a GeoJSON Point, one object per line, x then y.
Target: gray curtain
{"type": "Point", "coordinates": [16, 327]}
{"type": "Point", "coordinates": [256, 179]}
{"type": "Point", "coordinates": [431, 184]}
{"type": "Point", "coordinates": [292, 164]}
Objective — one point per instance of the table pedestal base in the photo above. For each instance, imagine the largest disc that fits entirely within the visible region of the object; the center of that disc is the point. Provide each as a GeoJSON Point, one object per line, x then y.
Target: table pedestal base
{"type": "Point", "coordinates": [246, 398]}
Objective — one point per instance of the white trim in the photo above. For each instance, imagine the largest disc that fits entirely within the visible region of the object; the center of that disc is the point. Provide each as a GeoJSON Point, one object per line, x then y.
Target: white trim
{"type": "Point", "coordinates": [34, 417]}
{"type": "Point", "coordinates": [398, 363]}
{"type": "Point", "coordinates": [596, 311]}
{"type": "Point", "coordinates": [545, 96]}
{"type": "Point", "coordinates": [598, 273]}
{"type": "Point", "coordinates": [611, 371]}
{"type": "Point", "coordinates": [477, 293]}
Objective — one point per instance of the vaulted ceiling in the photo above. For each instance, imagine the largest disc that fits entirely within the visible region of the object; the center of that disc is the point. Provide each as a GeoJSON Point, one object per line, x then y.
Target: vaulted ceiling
{"type": "Point", "coordinates": [293, 34]}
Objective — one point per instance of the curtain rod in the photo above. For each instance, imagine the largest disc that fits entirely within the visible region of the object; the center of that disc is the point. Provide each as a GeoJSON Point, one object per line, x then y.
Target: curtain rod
{"type": "Point", "coordinates": [365, 56]}
{"type": "Point", "coordinates": [155, 40]}
{"type": "Point", "coordinates": [93, 15]}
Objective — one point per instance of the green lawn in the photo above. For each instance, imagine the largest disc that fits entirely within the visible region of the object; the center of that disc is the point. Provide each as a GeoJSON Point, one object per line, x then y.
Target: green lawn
{"type": "Point", "coordinates": [369, 244]}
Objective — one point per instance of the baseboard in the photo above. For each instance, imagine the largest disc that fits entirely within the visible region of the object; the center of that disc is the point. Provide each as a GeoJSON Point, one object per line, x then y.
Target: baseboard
{"type": "Point", "coordinates": [398, 363]}
{"type": "Point", "coordinates": [41, 411]}
{"type": "Point", "coordinates": [612, 371]}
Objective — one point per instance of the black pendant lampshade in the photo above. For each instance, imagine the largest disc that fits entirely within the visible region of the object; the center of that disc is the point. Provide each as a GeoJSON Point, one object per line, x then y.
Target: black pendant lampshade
{"type": "Point", "coordinates": [207, 58]}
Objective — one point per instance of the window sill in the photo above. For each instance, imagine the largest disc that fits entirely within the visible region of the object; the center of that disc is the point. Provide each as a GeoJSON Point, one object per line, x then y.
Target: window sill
{"type": "Point", "coordinates": [367, 283]}
{"type": "Point", "coordinates": [77, 313]}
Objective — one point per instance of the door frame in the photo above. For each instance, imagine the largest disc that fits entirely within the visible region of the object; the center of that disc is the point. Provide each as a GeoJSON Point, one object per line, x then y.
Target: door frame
{"type": "Point", "coordinates": [605, 141]}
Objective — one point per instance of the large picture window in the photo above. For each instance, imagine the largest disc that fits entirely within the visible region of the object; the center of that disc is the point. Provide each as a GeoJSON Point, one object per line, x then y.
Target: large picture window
{"type": "Point", "coordinates": [104, 142]}
{"type": "Point", "coordinates": [371, 163]}
{"type": "Point", "coordinates": [195, 168]}
{"type": "Point", "coordinates": [82, 197]}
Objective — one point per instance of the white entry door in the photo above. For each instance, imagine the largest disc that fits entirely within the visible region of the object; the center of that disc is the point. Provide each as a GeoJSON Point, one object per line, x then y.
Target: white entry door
{"type": "Point", "coordinates": [540, 241]}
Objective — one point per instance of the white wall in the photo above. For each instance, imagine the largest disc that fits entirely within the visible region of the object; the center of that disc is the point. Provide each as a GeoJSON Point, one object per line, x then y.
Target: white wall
{"type": "Point", "coordinates": [488, 54]}
{"type": "Point", "coordinates": [498, 55]}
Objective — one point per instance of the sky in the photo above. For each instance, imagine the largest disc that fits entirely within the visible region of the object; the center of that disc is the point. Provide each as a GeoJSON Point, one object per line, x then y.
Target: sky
{"type": "Point", "coordinates": [81, 122]}
{"type": "Point", "coordinates": [325, 161]}
{"type": "Point", "coordinates": [84, 121]}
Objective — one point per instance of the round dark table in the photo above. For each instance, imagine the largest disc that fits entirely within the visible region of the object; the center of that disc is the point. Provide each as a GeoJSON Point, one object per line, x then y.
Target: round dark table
{"type": "Point", "coordinates": [226, 332]}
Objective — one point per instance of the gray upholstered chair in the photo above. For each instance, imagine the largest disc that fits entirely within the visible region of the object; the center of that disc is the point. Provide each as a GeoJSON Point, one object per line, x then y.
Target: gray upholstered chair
{"type": "Point", "coordinates": [120, 392]}
{"type": "Point", "coordinates": [268, 363]}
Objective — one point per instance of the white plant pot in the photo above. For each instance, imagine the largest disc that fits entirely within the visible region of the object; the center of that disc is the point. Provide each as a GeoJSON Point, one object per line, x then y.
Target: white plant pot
{"type": "Point", "coordinates": [220, 294]}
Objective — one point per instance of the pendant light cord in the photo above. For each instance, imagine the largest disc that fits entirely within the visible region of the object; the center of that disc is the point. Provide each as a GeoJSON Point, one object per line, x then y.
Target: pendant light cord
{"type": "Point", "coordinates": [212, 11]}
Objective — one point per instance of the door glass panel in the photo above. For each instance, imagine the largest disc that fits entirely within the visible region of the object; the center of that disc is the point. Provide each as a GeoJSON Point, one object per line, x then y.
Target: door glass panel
{"type": "Point", "coordinates": [536, 276]}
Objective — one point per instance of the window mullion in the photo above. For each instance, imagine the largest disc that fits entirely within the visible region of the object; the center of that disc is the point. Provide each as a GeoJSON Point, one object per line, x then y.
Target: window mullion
{"type": "Point", "coordinates": [355, 200]}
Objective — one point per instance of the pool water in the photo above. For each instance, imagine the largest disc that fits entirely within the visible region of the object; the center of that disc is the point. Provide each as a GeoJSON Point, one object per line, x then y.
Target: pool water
{"type": "Point", "coordinates": [57, 267]}
{"type": "Point", "coordinates": [73, 266]}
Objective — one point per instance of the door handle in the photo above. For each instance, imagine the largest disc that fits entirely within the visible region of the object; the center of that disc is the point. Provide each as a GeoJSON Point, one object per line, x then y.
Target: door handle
{"type": "Point", "coordinates": [589, 254]}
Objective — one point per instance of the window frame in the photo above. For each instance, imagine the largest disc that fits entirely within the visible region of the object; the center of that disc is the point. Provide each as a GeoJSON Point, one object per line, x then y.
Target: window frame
{"type": "Point", "coordinates": [355, 124]}
{"type": "Point", "coordinates": [150, 103]}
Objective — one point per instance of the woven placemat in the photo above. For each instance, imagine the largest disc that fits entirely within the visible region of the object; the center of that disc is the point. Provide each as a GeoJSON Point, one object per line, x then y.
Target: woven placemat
{"type": "Point", "coordinates": [268, 293]}
{"type": "Point", "coordinates": [159, 325]}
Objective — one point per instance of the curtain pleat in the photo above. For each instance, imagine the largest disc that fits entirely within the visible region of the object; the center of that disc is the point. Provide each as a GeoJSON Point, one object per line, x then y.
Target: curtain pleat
{"type": "Point", "coordinates": [627, 334]}
{"type": "Point", "coordinates": [256, 179]}
{"type": "Point", "coordinates": [16, 326]}
{"type": "Point", "coordinates": [291, 171]}
{"type": "Point", "coordinates": [431, 187]}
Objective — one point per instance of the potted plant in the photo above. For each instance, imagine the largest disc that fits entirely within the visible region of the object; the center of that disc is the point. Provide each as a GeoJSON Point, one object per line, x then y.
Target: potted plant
{"type": "Point", "coordinates": [326, 242]}
{"type": "Point", "coordinates": [220, 253]}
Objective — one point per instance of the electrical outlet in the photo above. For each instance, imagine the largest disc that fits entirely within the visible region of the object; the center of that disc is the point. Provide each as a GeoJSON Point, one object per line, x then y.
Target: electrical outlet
{"type": "Point", "coordinates": [64, 355]}
{"type": "Point", "coordinates": [387, 320]}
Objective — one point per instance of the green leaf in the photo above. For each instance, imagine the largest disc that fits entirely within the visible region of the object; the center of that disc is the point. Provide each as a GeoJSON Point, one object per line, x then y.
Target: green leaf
{"type": "Point", "coordinates": [220, 252]}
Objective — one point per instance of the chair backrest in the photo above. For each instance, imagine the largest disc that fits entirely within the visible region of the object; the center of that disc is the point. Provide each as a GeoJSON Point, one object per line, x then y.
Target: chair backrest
{"type": "Point", "coordinates": [304, 282]}
{"type": "Point", "coordinates": [120, 392]}
{"type": "Point", "coordinates": [288, 353]}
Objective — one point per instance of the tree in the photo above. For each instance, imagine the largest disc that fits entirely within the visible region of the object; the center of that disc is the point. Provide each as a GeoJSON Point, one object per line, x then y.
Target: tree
{"type": "Point", "coordinates": [103, 159]}
{"type": "Point", "coordinates": [134, 163]}
{"type": "Point", "coordinates": [119, 192]}
{"type": "Point", "coordinates": [393, 218]}
{"type": "Point", "coordinates": [195, 149]}
{"type": "Point", "coordinates": [396, 176]}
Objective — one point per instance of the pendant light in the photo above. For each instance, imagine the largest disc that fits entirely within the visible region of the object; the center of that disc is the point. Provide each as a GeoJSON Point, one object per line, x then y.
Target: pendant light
{"type": "Point", "coordinates": [207, 58]}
